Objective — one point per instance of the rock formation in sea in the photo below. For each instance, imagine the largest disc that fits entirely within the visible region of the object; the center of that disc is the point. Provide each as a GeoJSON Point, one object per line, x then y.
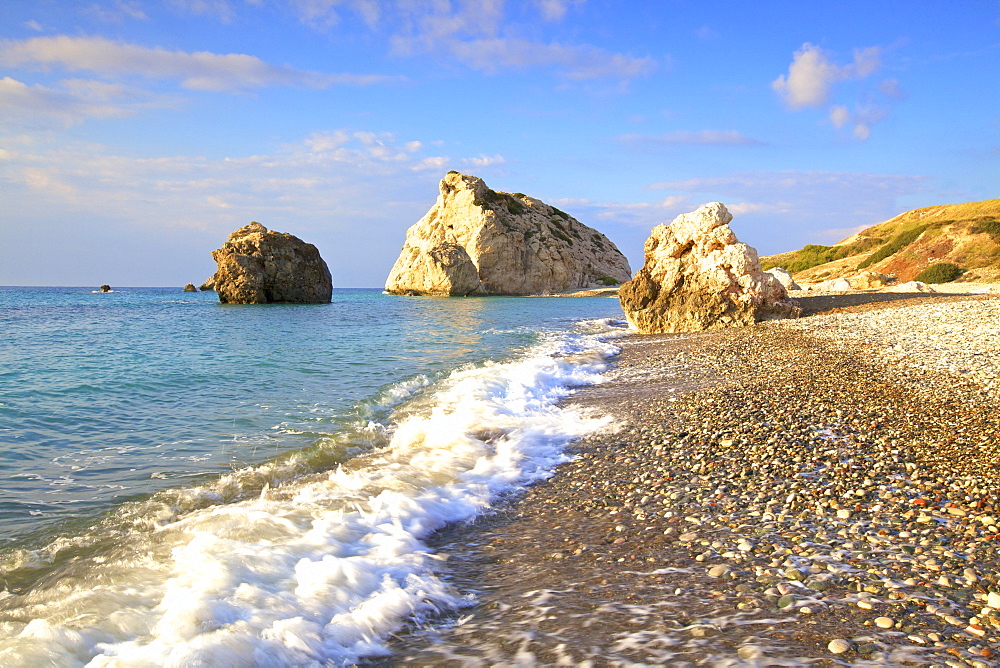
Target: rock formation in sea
{"type": "Point", "coordinates": [260, 266]}
{"type": "Point", "coordinates": [698, 276]}
{"type": "Point", "coordinates": [208, 285]}
{"type": "Point", "coordinates": [475, 241]}
{"type": "Point", "coordinates": [190, 288]}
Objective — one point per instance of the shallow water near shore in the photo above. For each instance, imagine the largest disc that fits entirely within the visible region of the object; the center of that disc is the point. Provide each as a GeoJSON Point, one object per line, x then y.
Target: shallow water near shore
{"type": "Point", "coordinates": [187, 482]}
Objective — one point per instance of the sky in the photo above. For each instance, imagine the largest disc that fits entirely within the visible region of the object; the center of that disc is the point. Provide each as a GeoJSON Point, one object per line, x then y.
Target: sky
{"type": "Point", "coordinates": [135, 135]}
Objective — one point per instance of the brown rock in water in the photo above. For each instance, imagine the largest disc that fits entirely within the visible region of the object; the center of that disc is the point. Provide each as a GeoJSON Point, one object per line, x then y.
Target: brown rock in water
{"type": "Point", "coordinates": [475, 241]}
{"type": "Point", "coordinates": [208, 285]}
{"type": "Point", "coordinates": [258, 266]}
{"type": "Point", "coordinates": [190, 288]}
{"type": "Point", "coordinates": [698, 276]}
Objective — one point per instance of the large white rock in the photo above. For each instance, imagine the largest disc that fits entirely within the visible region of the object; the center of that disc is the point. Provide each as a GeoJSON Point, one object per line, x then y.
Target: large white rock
{"type": "Point", "coordinates": [475, 241]}
{"type": "Point", "coordinates": [697, 275]}
{"type": "Point", "coordinates": [784, 278]}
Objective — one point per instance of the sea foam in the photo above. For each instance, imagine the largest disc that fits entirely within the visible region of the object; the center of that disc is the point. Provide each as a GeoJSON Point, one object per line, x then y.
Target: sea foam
{"type": "Point", "coordinates": [320, 567]}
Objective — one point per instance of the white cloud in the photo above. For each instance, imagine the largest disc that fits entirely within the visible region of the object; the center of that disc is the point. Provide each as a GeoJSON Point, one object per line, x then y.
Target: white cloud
{"type": "Point", "coordinates": [839, 116]}
{"type": "Point", "coordinates": [220, 9]}
{"type": "Point", "coordinates": [554, 10]}
{"type": "Point", "coordinates": [74, 102]}
{"type": "Point", "coordinates": [637, 215]}
{"type": "Point", "coordinates": [694, 138]}
{"type": "Point", "coordinates": [433, 163]}
{"type": "Point", "coordinates": [473, 33]}
{"type": "Point", "coordinates": [574, 62]}
{"type": "Point", "coordinates": [325, 14]}
{"type": "Point", "coordinates": [199, 71]}
{"type": "Point", "coordinates": [118, 11]}
{"type": "Point", "coordinates": [812, 74]}
{"type": "Point", "coordinates": [890, 88]}
{"type": "Point", "coordinates": [485, 160]}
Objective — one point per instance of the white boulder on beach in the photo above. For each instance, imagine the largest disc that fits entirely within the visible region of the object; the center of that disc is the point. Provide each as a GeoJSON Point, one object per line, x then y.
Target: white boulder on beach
{"type": "Point", "coordinates": [697, 276]}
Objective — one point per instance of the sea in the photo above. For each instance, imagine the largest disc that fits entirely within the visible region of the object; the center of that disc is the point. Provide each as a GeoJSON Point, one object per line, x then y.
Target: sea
{"type": "Point", "coordinates": [188, 483]}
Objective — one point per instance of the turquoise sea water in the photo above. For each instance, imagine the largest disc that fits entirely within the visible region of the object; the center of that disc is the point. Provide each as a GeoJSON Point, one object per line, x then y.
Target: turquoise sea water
{"type": "Point", "coordinates": [187, 481]}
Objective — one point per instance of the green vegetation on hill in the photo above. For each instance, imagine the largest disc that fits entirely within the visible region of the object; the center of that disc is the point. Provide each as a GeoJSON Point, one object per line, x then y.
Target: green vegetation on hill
{"type": "Point", "coordinates": [986, 226]}
{"type": "Point", "coordinates": [965, 236]}
{"type": "Point", "coordinates": [897, 243]}
{"type": "Point", "coordinates": [813, 255]}
{"type": "Point", "coordinates": [941, 272]}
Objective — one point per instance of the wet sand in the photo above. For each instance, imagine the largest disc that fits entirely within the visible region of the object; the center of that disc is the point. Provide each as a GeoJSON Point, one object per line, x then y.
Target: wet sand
{"type": "Point", "coordinates": [768, 496]}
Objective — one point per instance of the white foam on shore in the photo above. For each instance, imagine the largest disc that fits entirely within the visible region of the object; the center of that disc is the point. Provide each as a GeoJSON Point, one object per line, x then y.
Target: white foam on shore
{"type": "Point", "coordinates": [318, 569]}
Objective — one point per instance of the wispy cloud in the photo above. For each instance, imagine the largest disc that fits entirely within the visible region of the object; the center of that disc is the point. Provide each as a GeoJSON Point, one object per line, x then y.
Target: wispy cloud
{"type": "Point", "coordinates": [222, 10]}
{"type": "Point", "coordinates": [481, 161]}
{"type": "Point", "coordinates": [477, 34]}
{"type": "Point", "coordinates": [117, 12]}
{"type": "Point", "coordinates": [693, 138]}
{"type": "Point", "coordinates": [577, 62]}
{"type": "Point", "coordinates": [793, 208]}
{"type": "Point", "coordinates": [197, 71]}
{"type": "Point", "coordinates": [75, 101]}
{"type": "Point", "coordinates": [341, 189]}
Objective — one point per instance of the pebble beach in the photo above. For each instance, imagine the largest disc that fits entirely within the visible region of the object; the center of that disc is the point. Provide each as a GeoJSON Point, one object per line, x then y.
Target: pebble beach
{"type": "Point", "coordinates": [821, 491]}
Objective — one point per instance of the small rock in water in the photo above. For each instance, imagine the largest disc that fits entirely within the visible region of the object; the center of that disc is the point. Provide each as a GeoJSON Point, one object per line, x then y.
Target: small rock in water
{"type": "Point", "coordinates": [718, 571]}
{"type": "Point", "coordinates": [884, 622]}
{"type": "Point", "coordinates": [750, 652]}
{"type": "Point", "coordinates": [993, 600]}
{"type": "Point", "coordinates": [838, 646]}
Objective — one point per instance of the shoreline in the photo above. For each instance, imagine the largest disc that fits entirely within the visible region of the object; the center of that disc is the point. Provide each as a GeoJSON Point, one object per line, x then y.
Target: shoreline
{"type": "Point", "coordinates": [772, 494]}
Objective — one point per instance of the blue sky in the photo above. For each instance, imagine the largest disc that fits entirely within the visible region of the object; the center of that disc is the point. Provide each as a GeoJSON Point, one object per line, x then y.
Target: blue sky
{"type": "Point", "coordinates": [136, 135]}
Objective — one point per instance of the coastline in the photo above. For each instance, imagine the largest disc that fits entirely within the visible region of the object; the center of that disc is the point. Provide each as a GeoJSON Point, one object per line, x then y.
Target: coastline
{"type": "Point", "coordinates": [781, 493]}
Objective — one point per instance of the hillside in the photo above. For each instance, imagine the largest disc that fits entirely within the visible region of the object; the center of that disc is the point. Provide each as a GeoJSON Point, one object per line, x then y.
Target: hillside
{"type": "Point", "coordinates": [965, 235]}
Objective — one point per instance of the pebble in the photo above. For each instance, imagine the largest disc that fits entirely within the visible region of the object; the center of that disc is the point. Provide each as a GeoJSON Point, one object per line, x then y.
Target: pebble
{"type": "Point", "coordinates": [838, 646]}
{"type": "Point", "coordinates": [885, 622]}
{"type": "Point", "coordinates": [750, 652]}
{"type": "Point", "coordinates": [718, 571]}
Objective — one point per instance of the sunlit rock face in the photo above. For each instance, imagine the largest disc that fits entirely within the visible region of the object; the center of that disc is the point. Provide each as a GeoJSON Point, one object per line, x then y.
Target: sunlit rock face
{"type": "Point", "coordinates": [260, 266]}
{"type": "Point", "coordinates": [698, 276]}
{"type": "Point", "coordinates": [475, 241]}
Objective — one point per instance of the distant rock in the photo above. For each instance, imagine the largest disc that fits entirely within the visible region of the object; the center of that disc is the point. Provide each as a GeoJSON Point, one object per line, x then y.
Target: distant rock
{"type": "Point", "coordinates": [475, 241]}
{"type": "Point", "coordinates": [258, 266]}
{"type": "Point", "coordinates": [105, 288]}
{"type": "Point", "coordinates": [208, 285]}
{"type": "Point", "coordinates": [869, 280]}
{"type": "Point", "coordinates": [784, 278]}
{"type": "Point", "coordinates": [698, 276]}
{"type": "Point", "coordinates": [912, 286]}
{"type": "Point", "coordinates": [190, 288]}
